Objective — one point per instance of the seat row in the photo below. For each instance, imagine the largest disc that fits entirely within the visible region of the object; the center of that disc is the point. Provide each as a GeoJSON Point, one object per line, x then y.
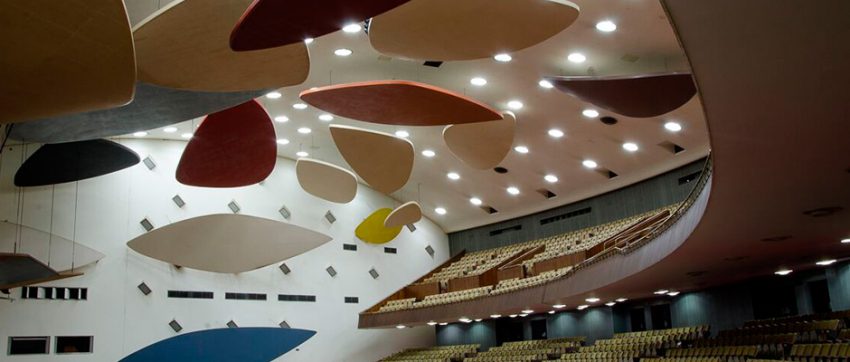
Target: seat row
{"type": "Point", "coordinates": [514, 284]}
{"type": "Point", "coordinates": [452, 297]}
{"type": "Point", "coordinates": [820, 352]}
{"type": "Point", "coordinates": [437, 353]}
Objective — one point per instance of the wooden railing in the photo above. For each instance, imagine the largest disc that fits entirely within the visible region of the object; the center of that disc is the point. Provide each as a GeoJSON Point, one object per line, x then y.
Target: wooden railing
{"type": "Point", "coordinates": [417, 289]}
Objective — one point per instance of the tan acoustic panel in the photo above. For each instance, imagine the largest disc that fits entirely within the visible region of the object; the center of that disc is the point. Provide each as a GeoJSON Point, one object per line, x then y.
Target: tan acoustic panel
{"type": "Point", "coordinates": [62, 57]}
{"type": "Point", "coordinates": [326, 181]}
{"type": "Point", "coordinates": [482, 145]}
{"type": "Point", "coordinates": [384, 161]}
{"type": "Point", "coordinates": [406, 214]}
{"type": "Point", "coordinates": [186, 45]}
{"type": "Point", "coordinates": [468, 29]}
{"type": "Point", "coordinates": [227, 243]}
{"type": "Point", "coordinates": [57, 252]}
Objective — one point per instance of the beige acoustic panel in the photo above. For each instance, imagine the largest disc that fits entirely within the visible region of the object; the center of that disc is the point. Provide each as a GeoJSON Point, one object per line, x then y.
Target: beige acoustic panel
{"type": "Point", "coordinates": [468, 29]}
{"type": "Point", "coordinates": [482, 145]}
{"type": "Point", "coordinates": [62, 57]}
{"type": "Point", "coordinates": [325, 180]}
{"type": "Point", "coordinates": [384, 161]}
{"type": "Point", "coordinates": [227, 243]}
{"type": "Point", "coordinates": [186, 45]}
{"type": "Point", "coordinates": [406, 214]}
{"type": "Point", "coordinates": [59, 253]}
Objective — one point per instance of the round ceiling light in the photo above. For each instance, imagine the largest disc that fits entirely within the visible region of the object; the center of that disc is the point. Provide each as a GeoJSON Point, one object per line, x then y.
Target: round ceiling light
{"type": "Point", "coordinates": [503, 57]}
{"type": "Point", "coordinates": [673, 126]}
{"type": "Point", "coordinates": [354, 27]}
{"type": "Point", "coordinates": [299, 106]}
{"type": "Point", "coordinates": [342, 52]}
{"type": "Point", "coordinates": [513, 190]}
{"type": "Point", "coordinates": [453, 176]}
{"type": "Point", "coordinates": [783, 272]}
{"type": "Point", "coordinates": [326, 117]}
{"type": "Point", "coordinates": [556, 133]}
{"type": "Point", "coordinates": [308, 40]}
{"type": "Point", "coordinates": [515, 105]}
{"type": "Point", "coordinates": [273, 95]}
{"type": "Point", "coordinates": [304, 130]}
{"type": "Point", "coordinates": [589, 163]}
{"type": "Point", "coordinates": [281, 119]}
{"type": "Point", "coordinates": [543, 83]}
{"type": "Point", "coordinates": [140, 134]}
{"type": "Point", "coordinates": [630, 146]}
{"type": "Point", "coordinates": [521, 149]}
{"type": "Point", "coordinates": [282, 141]}
{"type": "Point", "coordinates": [551, 178]}
{"type": "Point", "coordinates": [402, 134]}
{"type": "Point", "coordinates": [475, 201]}
{"type": "Point", "coordinates": [302, 154]}
{"type": "Point", "coordinates": [478, 81]}
{"type": "Point", "coordinates": [606, 26]}
{"type": "Point", "coordinates": [577, 58]}
{"type": "Point", "coordinates": [428, 153]}
{"type": "Point", "coordinates": [169, 129]}
{"type": "Point", "coordinates": [186, 135]}
{"type": "Point", "coordinates": [440, 211]}
{"type": "Point", "coordinates": [590, 113]}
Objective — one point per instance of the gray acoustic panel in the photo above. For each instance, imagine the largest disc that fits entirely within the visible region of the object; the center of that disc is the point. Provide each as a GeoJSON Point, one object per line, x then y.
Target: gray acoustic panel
{"type": "Point", "coordinates": [148, 161]}
{"type": "Point", "coordinates": [22, 269]}
{"type": "Point", "coordinates": [152, 107]}
{"type": "Point", "coordinates": [144, 288]}
{"type": "Point", "coordinates": [68, 162]}
{"type": "Point", "coordinates": [175, 325]}
{"type": "Point", "coordinates": [331, 271]}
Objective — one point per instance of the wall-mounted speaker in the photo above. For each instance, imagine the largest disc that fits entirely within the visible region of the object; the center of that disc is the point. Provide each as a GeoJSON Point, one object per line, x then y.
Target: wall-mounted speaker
{"type": "Point", "coordinates": [329, 216]}
{"type": "Point", "coordinates": [232, 324]}
{"type": "Point", "coordinates": [411, 227]}
{"type": "Point", "coordinates": [430, 250]}
{"type": "Point", "coordinates": [283, 324]}
{"type": "Point", "coordinates": [284, 268]}
{"type": "Point", "coordinates": [175, 326]}
{"type": "Point", "coordinates": [284, 212]}
{"type": "Point", "coordinates": [331, 271]}
{"type": "Point", "coordinates": [148, 161]}
{"type": "Point", "coordinates": [233, 206]}
{"type": "Point", "coordinates": [178, 201]}
{"type": "Point", "coordinates": [144, 288]}
{"type": "Point", "coordinates": [146, 224]}
{"type": "Point", "coordinates": [374, 273]}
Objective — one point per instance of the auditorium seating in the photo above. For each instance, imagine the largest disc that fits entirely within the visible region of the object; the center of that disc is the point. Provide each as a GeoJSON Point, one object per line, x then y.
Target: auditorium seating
{"type": "Point", "coordinates": [435, 354]}
{"type": "Point", "coordinates": [398, 304]}
{"type": "Point", "coordinates": [452, 297]}
{"type": "Point", "coordinates": [534, 350]}
{"type": "Point", "coordinates": [628, 346]}
{"type": "Point", "coordinates": [771, 345]}
{"type": "Point", "coordinates": [807, 331]}
{"type": "Point", "coordinates": [725, 353]}
{"type": "Point", "coordinates": [514, 284]}
{"type": "Point", "coordinates": [822, 352]}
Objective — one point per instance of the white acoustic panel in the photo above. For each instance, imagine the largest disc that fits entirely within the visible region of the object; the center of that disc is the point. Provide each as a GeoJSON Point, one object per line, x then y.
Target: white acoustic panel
{"type": "Point", "coordinates": [53, 249]}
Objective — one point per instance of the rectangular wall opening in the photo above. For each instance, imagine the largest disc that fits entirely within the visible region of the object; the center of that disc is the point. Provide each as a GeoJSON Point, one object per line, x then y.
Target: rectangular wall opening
{"type": "Point", "coordinates": [74, 344]}
{"type": "Point", "coordinates": [28, 345]}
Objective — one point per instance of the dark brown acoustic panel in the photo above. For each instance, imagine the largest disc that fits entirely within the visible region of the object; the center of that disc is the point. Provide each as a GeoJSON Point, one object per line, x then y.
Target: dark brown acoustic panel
{"type": "Point", "coordinates": [74, 161]}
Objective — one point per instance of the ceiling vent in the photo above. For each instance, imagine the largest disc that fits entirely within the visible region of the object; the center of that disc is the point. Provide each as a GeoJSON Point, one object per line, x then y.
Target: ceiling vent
{"type": "Point", "coordinates": [608, 120]}
{"type": "Point", "coordinates": [547, 194]}
{"type": "Point", "coordinates": [432, 63]}
{"type": "Point", "coordinates": [672, 147]}
{"type": "Point", "coordinates": [612, 174]}
{"type": "Point", "coordinates": [823, 211]}
{"type": "Point", "coordinates": [500, 170]}
{"type": "Point", "coordinates": [776, 239]}
{"type": "Point", "coordinates": [489, 210]}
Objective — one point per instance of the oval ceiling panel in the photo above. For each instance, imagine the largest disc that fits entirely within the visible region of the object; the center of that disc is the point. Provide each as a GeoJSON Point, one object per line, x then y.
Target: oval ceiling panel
{"type": "Point", "coordinates": [61, 254]}
{"type": "Point", "coordinates": [482, 145]}
{"type": "Point", "coordinates": [244, 344]}
{"type": "Point", "coordinates": [274, 23]}
{"type": "Point", "coordinates": [384, 161]}
{"type": "Point", "coordinates": [74, 161]}
{"type": "Point", "coordinates": [469, 29]}
{"type": "Point", "coordinates": [186, 45]}
{"type": "Point", "coordinates": [234, 147]}
{"type": "Point", "coordinates": [18, 270]}
{"type": "Point", "coordinates": [226, 243]}
{"type": "Point", "coordinates": [639, 96]}
{"type": "Point", "coordinates": [373, 231]}
{"type": "Point", "coordinates": [398, 102]}
{"type": "Point", "coordinates": [326, 181]}
{"type": "Point", "coordinates": [62, 57]}
{"type": "Point", "coordinates": [406, 214]}
{"type": "Point", "coordinates": [152, 107]}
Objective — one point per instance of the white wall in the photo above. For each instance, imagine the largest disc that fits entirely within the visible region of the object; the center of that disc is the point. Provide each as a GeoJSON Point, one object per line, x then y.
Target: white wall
{"type": "Point", "coordinates": [123, 320]}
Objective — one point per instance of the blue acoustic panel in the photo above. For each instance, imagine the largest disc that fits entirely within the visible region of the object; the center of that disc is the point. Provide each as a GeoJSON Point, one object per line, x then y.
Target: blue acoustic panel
{"type": "Point", "coordinates": [224, 345]}
{"type": "Point", "coordinates": [152, 107]}
{"type": "Point", "coordinates": [74, 161]}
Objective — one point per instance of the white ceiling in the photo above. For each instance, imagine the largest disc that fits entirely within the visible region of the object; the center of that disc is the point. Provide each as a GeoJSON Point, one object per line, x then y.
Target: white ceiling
{"type": "Point", "coordinates": [643, 32]}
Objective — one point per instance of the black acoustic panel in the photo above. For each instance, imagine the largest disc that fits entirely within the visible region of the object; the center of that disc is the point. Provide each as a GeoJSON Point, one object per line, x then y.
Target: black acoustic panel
{"type": "Point", "coordinates": [68, 162]}
{"type": "Point", "coordinates": [22, 269]}
{"type": "Point", "coordinates": [152, 107]}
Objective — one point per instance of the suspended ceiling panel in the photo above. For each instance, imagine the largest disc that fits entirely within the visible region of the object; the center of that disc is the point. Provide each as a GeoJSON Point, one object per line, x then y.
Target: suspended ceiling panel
{"type": "Point", "coordinates": [406, 214]}
{"type": "Point", "coordinates": [57, 252]}
{"type": "Point", "coordinates": [372, 230]}
{"type": "Point", "coordinates": [326, 180]}
{"type": "Point", "coordinates": [482, 145]}
{"type": "Point", "coordinates": [17, 270]}
{"type": "Point", "coordinates": [185, 45]}
{"type": "Point", "coordinates": [74, 161]}
{"type": "Point", "coordinates": [62, 57]}
{"type": "Point", "coordinates": [382, 160]}
{"type": "Point", "coordinates": [226, 243]}
{"type": "Point", "coordinates": [469, 29]}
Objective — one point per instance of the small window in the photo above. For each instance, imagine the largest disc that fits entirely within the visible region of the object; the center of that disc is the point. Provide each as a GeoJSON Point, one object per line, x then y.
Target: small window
{"type": "Point", "coordinates": [245, 296]}
{"type": "Point", "coordinates": [350, 247]}
{"type": "Point", "coordinates": [296, 298]}
{"type": "Point", "coordinates": [352, 300]}
{"type": "Point", "coordinates": [391, 250]}
{"type": "Point", "coordinates": [29, 345]}
{"type": "Point", "coordinates": [189, 294]}
{"type": "Point", "coordinates": [74, 344]}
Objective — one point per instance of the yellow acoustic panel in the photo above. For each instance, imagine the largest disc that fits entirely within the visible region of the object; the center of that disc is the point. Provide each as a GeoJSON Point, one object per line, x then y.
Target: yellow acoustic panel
{"type": "Point", "coordinates": [373, 231]}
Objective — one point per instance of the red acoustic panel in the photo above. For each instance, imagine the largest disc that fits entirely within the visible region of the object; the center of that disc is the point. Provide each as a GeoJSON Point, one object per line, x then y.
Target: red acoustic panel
{"type": "Point", "coordinates": [274, 23]}
{"type": "Point", "coordinates": [633, 96]}
{"type": "Point", "coordinates": [399, 102]}
{"type": "Point", "coordinates": [234, 147]}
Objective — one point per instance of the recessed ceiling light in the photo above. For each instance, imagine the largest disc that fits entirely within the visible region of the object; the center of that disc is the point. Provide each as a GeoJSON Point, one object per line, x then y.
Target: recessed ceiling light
{"type": "Point", "coordinates": [606, 26]}
{"type": "Point", "coordinates": [475, 201]}
{"type": "Point", "coordinates": [554, 132]}
{"type": "Point", "coordinates": [353, 28]}
{"type": "Point", "coordinates": [453, 176]}
{"type": "Point", "coordinates": [512, 316]}
{"type": "Point", "coordinates": [551, 312]}
{"type": "Point", "coordinates": [186, 135]}
{"type": "Point", "coordinates": [523, 315]}
{"type": "Point", "coordinates": [515, 105]}
{"type": "Point", "coordinates": [826, 262]}
{"type": "Point", "coordinates": [559, 306]}
{"type": "Point", "coordinates": [478, 319]}
{"type": "Point", "coordinates": [673, 126]}
{"type": "Point", "coordinates": [169, 129]}
{"type": "Point", "coordinates": [402, 134]}
{"type": "Point", "coordinates": [630, 146]}
{"type": "Point", "coordinates": [326, 117]}
{"type": "Point", "coordinates": [282, 141]}
{"type": "Point", "coordinates": [440, 211]}
{"type": "Point", "coordinates": [308, 40]}
{"type": "Point", "coordinates": [503, 57]}
{"type": "Point", "coordinates": [140, 134]}
{"type": "Point", "coordinates": [661, 291]}
{"type": "Point", "coordinates": [478, 81]}
{"type": "Point", "coordinates": [495, 316]}
{"type": "Point", "coordinates": [551, 178]}
{"type": "Point", "coordinates": [590, 113]}
{"type": "Point", "coordinates": [620, 300]}
{"type": "Point", "coordinates": [465, 320]}
{"type": "Point", "coordinates": [589, 163]}
{"type": "Point", "coordinates": [513, 190]}
{"type": "Point", "coordinates": [299, 106]}
{"type": "Point", "coordinates": [302, 154]}
{"type": "Point", "coordinates": [443, 324]}
{"type": "Point", "coordinates": [582, 307]}
{"type": "Point", "coordinates": [783, 272]}
{"type": "Point", "coordinates": [610, 304]}
{"type": "Point", "coordinates": [527, 311]}
{"type": "Point", "coordinates": [521, 149]}
{"type": "Point", "coordinates": [273, 95]}
{"type": "Point", "coordinates": [281, 119]}
{"type": "Point", "coordinates": [432, 323]}
{"type": "Point", "coordinates": [543, 83]}
{"type": "Point", "coordinates": [591, 300]}
{"type": "Point", "coordinates": [304, 130]}
{"type": "Point", "coordinates": [400, 326]}
{"type": "Point", "coordinates": [428, 153]}
{"type": "Point", "coordinates": [673, 293]}
{"type": "Point", "coordinates": [342, 52]}
{"type": "Point", "coordinates": [845, 241]}
{"type": "Point", "coordinates": [576, 58]}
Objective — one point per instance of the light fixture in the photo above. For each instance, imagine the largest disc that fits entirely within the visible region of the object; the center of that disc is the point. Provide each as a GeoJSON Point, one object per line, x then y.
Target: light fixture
{"type": "Point", "coordinates": [551, 312]}
{"type": "Point", "coordinates": [620, 300]}
{"type": "Point", "coordinates": [140, 134]}
{"type": "Point", "coordinates": [513, 190]}
{"type": "Point", "coordinates": [478, 81]}
{"type": "Point", "coordinates": [326, 117]}
{"type": "Point", "coordinates": [464, 320]}
{"type": "Point", "coordinates": [302, 154]}
{"type": "Point", "coordinates": [186, 136]}
{"type": "Point", "coordinates": [169, 129]}
{"type": "Point", "coordinates": [495, 316]}
{"type": "Point", "coordinates": [845, 241]}
{"type": "Point", "coordinates": [400, 326]}
{"type": "Point", "coordinates": [527, 311]}
{"type": "Point", "coordinates": [515, 105]}
{"type": "Point", "coordinates": [453, 176]}
{"type": "Point", "coordinates": [523, 315]}
{"type": "Point", "coordinates": [304, 130]}
{"type": "Point", "coordinates": [592, 300]}
{"type": "Point", "coordinates": [630, 146]}
{"type": "Point", "coordinates": [281, 119]}
{"type": "Point", "coordinates": [551, 178]}
{"type": "Point", "coordinates": [582, 307]}
{"type": "Point", "coordinates": [402, 134]}
{"type": "Point", "coordinates": [521, 149]}
{"type": "Point", "coordinates": [783, 272]}
{"type": "Point", "coordinates": [503, 57]}
{"type": "Point", "coordinates": [273, 95]}
{"type": "Point", "coordinates": [428, 153]}
{"type": "Point", "coordinates": [282, 141]}
{"type": "Point", "coordinates": [440, 211]}
{"type": "Point", "coordinates": [512, 316]}
{"type": "Point", "coordinates": [443, 324]}
{"type": "Point", "coordinates": [606, 26]}
{"type": "Point", "coordinates": [342, 52]}
{"type": "Point", "coordinates": [354, 27]}
{"type": "Point", "coordinates": [475, 201]}
{"type": "Point", "coordinates": [308, 40]}
{"type": "Point", "coordinates": [610, 304]}
{"type": "Point", "coordinates": [661, 291]}
{"type": "Point", "coordinates": [432, 323]}
{"type": "Point", "coordinates": [590, 113]}
{"type": "Point", "coordinates": [559, 306]}
{"type": "Point", "coordinates": [576, 58]}
{"type": "Point", "coordinates": [478, 319]}
{"type": "Point", "coordinates": [826, 262]}
{"type": "Point", "coordinates": [673, 126]}
{"type": "Point", "coordinates": [589, 163]}
{"type": "Point", "coordinates": [543, 83]}
{"type": "Point", "coordinates": [673, 293]}
{"type": "Point", "coordinates": [554, 132]}
{"type": "Point", "coordinates": [299, 106]}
